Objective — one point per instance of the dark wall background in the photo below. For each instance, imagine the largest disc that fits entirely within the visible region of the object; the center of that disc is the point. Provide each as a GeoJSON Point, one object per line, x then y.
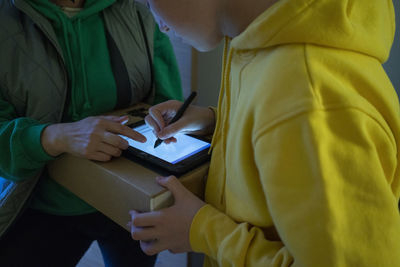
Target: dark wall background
{"type": "Point", "coordinates": [392, 66]}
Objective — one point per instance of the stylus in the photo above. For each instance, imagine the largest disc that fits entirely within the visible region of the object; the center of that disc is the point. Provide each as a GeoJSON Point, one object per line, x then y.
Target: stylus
{"type": "Point", "coordinates": [178, 114]}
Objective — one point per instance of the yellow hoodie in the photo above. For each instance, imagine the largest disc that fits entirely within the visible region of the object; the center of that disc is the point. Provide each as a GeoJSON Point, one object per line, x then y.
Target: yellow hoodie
{"type": "Point", "coordinates": [304, 169]}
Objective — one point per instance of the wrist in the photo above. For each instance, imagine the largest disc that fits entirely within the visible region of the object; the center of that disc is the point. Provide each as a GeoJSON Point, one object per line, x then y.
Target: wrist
{"type": "Point", "coordinates": [50, 140]}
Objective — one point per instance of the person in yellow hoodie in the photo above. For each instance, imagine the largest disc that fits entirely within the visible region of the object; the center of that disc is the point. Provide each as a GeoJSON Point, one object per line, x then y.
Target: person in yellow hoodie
{"type": "Point", "coordinates": [305, 151]}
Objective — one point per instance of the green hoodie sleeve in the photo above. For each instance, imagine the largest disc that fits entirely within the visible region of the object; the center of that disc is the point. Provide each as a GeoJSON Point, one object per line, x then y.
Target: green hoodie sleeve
{"type": "Point", "coordinates": [22, 154]}
{"type": "Point", "coordinates": [166, 73]}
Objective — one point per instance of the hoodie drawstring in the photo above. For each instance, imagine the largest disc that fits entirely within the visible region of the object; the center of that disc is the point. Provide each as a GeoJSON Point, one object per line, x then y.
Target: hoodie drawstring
{"type": "Point", "coordinates": [69, 58]}
{"type": "Point", "coordinates": [221, 93]}
{"type": "Point", "coordinates": [222, 115]}
{"type": "Point", "coordinates": [86, 104]}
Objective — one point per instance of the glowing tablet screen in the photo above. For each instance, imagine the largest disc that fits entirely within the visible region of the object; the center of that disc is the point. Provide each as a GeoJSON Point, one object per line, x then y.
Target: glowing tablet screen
{"type": "Point", "coordinates": [173, 152]}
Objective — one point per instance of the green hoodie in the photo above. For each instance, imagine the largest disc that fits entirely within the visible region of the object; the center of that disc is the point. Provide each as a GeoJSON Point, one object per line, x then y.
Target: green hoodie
{"type": "Point", "coordinates": [92, 85]}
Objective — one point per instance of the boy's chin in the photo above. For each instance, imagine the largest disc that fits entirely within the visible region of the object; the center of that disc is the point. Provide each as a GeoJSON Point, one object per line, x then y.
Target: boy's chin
{"type": "Point", "coordinates": [206, 46]}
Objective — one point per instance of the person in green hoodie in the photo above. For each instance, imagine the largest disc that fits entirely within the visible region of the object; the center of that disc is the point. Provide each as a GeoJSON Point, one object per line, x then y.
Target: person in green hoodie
{"type": "Point", "coordinates": [63, 63]}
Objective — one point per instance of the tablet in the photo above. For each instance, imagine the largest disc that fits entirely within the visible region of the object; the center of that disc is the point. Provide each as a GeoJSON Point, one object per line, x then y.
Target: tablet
{"type": "Point", "coordinates": [174, 158]}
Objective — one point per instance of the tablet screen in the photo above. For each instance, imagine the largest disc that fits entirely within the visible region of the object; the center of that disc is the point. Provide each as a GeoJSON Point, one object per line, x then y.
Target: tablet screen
{"type": "Point", "coordinates": [173, 152]}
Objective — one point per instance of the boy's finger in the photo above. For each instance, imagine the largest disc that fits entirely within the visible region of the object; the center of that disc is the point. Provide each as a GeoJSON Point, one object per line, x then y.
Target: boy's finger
{"type": "Point", "coordinates": [133, 213]}
{"type": "Point", "coordinates": [153, 247]}
{"type": "Point", "coordinates": [172, 184]}
{"type": "Point", "coordinates": [143, 233]}
{"type": "Point", "coordinates": [172, 129]}
{"type": "Point", "coordinates": [152, 124]}
{"type": "Point", "coordinates": [147, 219]}
{"type": "Point", "coordinates": [157, 117]}
{"type": "Point", "coordinates": [170, 140]}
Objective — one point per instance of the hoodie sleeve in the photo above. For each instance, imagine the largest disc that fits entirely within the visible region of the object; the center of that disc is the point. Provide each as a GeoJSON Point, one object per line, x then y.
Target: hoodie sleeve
{"type": "Point", "coordinates": [166, 73]}
{"type": "Point", "coordinates": [328, 191]}
{"type": "Point", "coordinates": [22, 154]}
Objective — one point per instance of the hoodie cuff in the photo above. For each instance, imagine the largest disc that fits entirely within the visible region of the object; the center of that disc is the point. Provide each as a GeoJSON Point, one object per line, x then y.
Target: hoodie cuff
{"type": "Point", "coordinates": [209, 229]}
{"type": "Point", "coordinates": [31, 142]}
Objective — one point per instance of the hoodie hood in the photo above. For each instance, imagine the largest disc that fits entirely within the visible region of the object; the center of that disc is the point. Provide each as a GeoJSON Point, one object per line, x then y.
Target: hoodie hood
{"type": "Point", "coordinates": [363, 26]}
{"type": "Point", "coordinates": [366, 27]}
{"type": "Point", "coordinates": [73, 33]}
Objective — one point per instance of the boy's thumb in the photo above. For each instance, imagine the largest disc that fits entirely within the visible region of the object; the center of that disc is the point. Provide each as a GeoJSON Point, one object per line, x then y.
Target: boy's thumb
{"type": "Point", "coordinates": [171, 183]}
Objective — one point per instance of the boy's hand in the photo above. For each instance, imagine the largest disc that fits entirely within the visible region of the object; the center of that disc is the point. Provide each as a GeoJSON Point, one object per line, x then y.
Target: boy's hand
{"type": "Point", "coordinates": [168, 228]}
{"type": "Point", "coordinates": [195, 120]}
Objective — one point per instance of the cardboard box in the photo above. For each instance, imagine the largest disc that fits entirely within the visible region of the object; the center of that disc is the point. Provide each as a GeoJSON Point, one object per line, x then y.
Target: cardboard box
{"type": "Point", "coordinates": [117, 186]}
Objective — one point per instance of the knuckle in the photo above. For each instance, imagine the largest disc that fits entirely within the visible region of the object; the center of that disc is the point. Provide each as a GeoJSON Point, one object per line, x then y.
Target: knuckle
{"type": "Point", "coordinates": [96, 121]}
{"type": "Point", "coordinates": [92, 136]}
{"type": "Point", "coordinates": [100, 123]}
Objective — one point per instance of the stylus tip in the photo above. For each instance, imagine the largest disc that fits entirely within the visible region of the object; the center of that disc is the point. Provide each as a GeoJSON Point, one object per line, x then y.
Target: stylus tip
{"type": "Point", "coordinates": [158, 142]}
